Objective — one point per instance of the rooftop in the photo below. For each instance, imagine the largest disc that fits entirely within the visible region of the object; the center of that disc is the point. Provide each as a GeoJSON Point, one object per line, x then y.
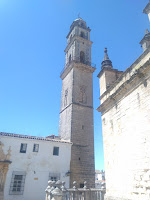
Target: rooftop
{"type": "Point", "coordinates": [51, 138]}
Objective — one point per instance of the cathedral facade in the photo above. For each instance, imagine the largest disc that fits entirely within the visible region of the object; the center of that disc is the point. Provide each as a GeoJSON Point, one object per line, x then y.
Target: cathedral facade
{"type": "Point", "coordinates": [125, 110]}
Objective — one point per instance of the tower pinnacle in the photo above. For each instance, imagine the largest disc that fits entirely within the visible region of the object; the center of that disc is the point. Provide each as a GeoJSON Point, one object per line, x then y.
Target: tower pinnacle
{"type": "Point", "coordinates": [147, 10]}
{"type": "Point", "coordinates": [145, 42]}
{"type": "Point", "coordinates": [106, 61]}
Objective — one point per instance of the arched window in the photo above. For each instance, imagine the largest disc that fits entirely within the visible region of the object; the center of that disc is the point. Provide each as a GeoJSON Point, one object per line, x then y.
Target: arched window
{"type": "Point", "coordinates": [82, 34]}
{"type": "Point", "coordinates": [82, 57]}
{"type": "Point", "coordinates": [70, 58]}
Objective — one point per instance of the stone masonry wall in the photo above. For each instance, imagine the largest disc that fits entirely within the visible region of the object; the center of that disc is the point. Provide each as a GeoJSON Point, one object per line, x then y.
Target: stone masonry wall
{"type": "Point", "coordinates": [126, 137]}
{"type": "Point", "coordinates": [66, 107]}
{"type": "Point", "coordinates": [76, 123]}
{"type": "Point", "coordinates": [82, 157]}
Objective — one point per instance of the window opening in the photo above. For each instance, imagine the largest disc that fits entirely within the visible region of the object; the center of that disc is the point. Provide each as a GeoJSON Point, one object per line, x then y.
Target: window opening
{"type": "Point", "coordinates": [17, 183]}
{"type": "Point", "coordinates": [23, 148]}
{"type": "Point", "coordinates": [82, 57]}
{"type": "Point", "coordinates": [54, 176]}
{"type": "Point", "coordinates": [56, 151]}
{"type": "Point", "coordinates": [81, 185]}
{"type": "Point", "coordinates": [82, 34]}
{"type": "Point", "coordinates": [35, 147]}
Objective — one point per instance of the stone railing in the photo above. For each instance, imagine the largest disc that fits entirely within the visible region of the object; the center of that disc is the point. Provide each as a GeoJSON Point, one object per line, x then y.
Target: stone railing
{"type": "Point", "coordinates": [57, 191]}
{"type": "Point", "coordinates": [77, 60]}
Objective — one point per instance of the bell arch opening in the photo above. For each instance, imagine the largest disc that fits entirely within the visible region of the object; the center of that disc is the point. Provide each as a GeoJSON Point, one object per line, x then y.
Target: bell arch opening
{"type": "Point", "coordinates": [82, 34]}
{"type": "Point", "coordinates": [82, 57]}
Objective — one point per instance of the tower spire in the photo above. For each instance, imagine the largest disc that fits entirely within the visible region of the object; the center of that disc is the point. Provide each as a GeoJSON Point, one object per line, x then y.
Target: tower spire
{"type": "Point", "coordinates": [145, 42]}
{"type": "Point", "coordinates": [106, 61]}
{"type": "Point", "coordinates": [147, 10]}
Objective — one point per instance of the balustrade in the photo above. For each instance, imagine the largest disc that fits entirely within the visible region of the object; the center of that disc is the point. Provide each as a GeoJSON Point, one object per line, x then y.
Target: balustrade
{"type": "Point", "coordinates": [58, 191]}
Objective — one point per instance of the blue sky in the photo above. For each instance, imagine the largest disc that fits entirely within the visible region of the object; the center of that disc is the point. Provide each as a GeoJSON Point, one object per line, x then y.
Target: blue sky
{"type": "Point", "coordinates": [32, 42]}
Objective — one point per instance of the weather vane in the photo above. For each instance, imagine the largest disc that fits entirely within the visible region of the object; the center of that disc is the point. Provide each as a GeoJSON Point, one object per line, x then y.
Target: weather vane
{"type": "Point", "coordinates": [78, 15]}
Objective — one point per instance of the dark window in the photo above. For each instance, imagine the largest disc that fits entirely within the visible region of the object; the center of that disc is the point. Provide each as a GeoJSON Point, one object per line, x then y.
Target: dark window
{"type": "Point", "coordinates": [82, 34]}
{"type": "Point", "coordinates": [81, 185]}
{"type": "Point", "coordinates": [56, 151]}
{"type": "Point", "coordinates": [54, 176]}
{"type": "Point", "coordinates": [70, 58]}
{"type": "Point", "coordinates": [23, 148]}
{"type": "Point", "coordinates": [35, 147]}
{"type": "Point", "coordinates": [17, 183]}
{"type": "Point", "coordinates": [82, 57]}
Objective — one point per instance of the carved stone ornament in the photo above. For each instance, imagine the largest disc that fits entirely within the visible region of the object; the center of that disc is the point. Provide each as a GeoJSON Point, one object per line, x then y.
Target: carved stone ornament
{"type": "Point", "coordinates": [4, 163]}
{"type": "Point", "coordinates": [82, 95]}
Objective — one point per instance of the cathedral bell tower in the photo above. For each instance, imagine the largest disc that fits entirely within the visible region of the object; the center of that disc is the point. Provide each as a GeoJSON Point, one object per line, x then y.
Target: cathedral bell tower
{"type": "Point", "coordinates": [76, 113]}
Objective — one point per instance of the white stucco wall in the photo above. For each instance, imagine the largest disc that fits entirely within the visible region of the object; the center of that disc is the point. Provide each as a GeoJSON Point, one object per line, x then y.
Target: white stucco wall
{"type": "Point", "coordinates": [37, 165]}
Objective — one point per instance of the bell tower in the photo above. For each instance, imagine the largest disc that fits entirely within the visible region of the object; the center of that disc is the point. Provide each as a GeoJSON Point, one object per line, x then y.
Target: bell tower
{"type": "Point", "coordinates": [76, 113]}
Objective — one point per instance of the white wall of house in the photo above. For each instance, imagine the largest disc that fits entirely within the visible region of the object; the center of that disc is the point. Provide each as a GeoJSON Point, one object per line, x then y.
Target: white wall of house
{"type": "Point", "coordinates": [36, 166]}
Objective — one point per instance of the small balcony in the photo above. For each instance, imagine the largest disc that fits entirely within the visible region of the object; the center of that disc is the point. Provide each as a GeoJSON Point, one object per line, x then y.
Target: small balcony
{"type": "Point", "coordinates": [77, 60]}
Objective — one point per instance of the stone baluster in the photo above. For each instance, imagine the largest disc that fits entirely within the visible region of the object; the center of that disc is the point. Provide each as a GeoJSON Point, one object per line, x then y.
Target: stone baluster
{"type": "Point", "coordinates": [57, 194]}
{"type": "Point", "coordinates": [85, 185]}
{"type": "Point", "coordinates": [74, 185]}
{"type": "Point", "coordinates": [49, 189]}
{"type": "Point", "coordinates": [57, 191]}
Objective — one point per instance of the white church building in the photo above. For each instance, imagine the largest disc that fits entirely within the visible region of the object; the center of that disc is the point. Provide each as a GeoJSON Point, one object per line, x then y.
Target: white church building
{"type": "Point", "coordinates": [32, 162]}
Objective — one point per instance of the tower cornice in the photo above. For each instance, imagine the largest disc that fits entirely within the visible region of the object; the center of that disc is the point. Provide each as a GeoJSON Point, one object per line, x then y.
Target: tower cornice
{"type": "Point", "coordinates": [75, 64]}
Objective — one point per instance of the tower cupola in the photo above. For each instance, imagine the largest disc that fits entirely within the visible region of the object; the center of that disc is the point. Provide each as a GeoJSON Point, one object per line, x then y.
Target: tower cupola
{"type": "Point", "coordinates": [78, 44]}
{"type": "Point", "coordinates": [78, 22]}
